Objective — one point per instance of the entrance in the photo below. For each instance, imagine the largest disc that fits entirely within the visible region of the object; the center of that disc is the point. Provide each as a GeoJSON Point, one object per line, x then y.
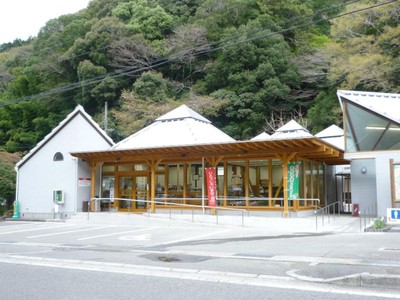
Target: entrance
{"type": "Point", "coordinates": [134, 188]}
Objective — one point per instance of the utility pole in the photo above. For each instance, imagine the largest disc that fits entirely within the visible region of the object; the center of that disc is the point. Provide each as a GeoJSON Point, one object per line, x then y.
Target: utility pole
{"type": "Point", "coordinates": [105, 117]}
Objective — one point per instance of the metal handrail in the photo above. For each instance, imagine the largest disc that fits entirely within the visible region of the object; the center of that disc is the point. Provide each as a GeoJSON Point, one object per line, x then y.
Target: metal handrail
{"type": "Point", "coordinates": [216, 208]}
{"type": "Point", "coordinates": [325, 211]}
{"type": "Point", "coordinates": [370, 213]}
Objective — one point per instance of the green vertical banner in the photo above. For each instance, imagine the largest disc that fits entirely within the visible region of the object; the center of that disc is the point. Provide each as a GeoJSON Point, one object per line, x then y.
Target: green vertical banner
{"type": "Point", "coordinates": [294, 180]}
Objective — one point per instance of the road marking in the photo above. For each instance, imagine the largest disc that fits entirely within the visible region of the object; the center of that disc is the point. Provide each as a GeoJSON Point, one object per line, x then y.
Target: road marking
{"type": "Point", "coordinates": [20, 224]}
{"type": "Point", "coordinates": [46, 245]}
{"type": "Point", "coordinates": [115, 233]}
{"type": "Point", "coordinates": [194, 237]}
{"type": "Point", "coordinates": [71, 231]}
{"type": "Point", "coordinates": [143, 237]}
{"type": "Point", "coordinates": [36, 228]}
{"type": "Point", "coordinates": [198, 275]}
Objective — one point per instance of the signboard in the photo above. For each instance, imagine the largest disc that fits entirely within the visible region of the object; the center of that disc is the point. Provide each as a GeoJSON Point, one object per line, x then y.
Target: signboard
{"type": "Point", "coordinates": [294, 180]}
{"type": "Point", "coordinates": [84, 181]}
{"type": "Point", "coordinates": [393, 215]}
{"type": "Point", "coordinates": [211, 186]}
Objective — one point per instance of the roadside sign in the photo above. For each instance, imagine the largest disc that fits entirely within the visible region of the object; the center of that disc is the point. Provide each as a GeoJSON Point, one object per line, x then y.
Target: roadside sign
{"type": "Point", "coordinates": [393, 214]}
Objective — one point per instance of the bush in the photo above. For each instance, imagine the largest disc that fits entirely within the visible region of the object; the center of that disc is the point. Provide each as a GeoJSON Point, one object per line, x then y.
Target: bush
{"type": "Point", "coordinates": [379, 224]}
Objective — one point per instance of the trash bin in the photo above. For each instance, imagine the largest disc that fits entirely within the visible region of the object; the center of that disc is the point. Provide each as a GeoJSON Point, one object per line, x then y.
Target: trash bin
{"type": "Point", "coordinates": [356, 210]}
{"type": "Point", "coordinates": [85, 206]}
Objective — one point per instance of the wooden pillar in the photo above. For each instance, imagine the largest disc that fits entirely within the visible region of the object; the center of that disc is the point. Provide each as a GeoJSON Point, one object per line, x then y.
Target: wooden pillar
{"type": "Point", "coordinates": [285, 162]}
{"type": "Point", "coordinates": [225, 182]}
{"type": "Point", "coordinates": [304, 176]}
{"type": "Point", "coordinates": [185, 168]}
{"type": "Point", "coordinates": [247, 182]}
{"type": "Point", "coordinates": [270, 182]}
{"type": "Point", "coordinates": [312, 179]}
{"type": "Point", "coordinates": [286, 158]}
{"type": "Point", "coordinates": [153, 165]}
{"type": "Point", "coordinates": [166, 183]}
{"type": "Point", "coordinates": [93, 166]}
{"type": "Point", "coordinates": [392, 183]}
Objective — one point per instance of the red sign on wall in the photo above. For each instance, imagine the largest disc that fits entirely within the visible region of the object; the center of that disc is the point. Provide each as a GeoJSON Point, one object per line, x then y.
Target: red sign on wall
{"type": "Point", "coordinates": [211, 186]}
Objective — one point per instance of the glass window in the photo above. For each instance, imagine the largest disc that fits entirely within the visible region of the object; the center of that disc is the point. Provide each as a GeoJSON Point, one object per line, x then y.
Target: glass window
{"type": "Point", "coordinates": [108, 187]}
{"type": "Point", "coordinates": [141, 167]}
{"type": "Point", "coordinates": [108, 168]}
{"type": "Point", "coordinates": [367, 131]}
{"type": "Point", "coordinates": [58, 156]}
{"type": "Point", "coordinates": [125, 168]}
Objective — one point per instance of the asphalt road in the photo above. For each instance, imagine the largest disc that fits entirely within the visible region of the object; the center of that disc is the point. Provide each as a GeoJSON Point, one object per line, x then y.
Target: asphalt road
{"type": "Point", "coordinates": [181, 261]}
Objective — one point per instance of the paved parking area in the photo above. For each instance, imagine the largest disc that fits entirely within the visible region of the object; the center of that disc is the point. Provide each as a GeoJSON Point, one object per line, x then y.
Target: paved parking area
{"type": "Point", "coordinates": [116, 235]}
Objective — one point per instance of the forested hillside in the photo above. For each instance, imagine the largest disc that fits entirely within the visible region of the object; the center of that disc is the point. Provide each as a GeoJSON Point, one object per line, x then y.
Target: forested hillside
{"type": "Point", "coordinates": [240, 63]}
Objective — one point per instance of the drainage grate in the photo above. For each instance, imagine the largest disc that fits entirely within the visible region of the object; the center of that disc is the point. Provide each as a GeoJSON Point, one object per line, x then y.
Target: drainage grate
{"type": "Point", "coordinates": [168, 259]}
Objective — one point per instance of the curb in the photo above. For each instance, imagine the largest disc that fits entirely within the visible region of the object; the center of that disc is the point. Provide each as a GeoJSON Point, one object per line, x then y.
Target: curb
{"type": "Point", "coordinates": [360, 280]}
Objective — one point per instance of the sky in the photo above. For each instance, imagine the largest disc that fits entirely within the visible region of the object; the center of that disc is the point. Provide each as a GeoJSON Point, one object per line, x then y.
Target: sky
{"type": "Point", "coordinates": [24, 18]}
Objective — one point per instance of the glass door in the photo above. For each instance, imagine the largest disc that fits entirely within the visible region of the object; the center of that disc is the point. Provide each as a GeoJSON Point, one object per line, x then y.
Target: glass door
{"type": "Point", "coordinates": [134, 188]}
{"type": "Point", "coordinates": [141, 192]}
{"type": "Point", "coordinates": [125, 191]}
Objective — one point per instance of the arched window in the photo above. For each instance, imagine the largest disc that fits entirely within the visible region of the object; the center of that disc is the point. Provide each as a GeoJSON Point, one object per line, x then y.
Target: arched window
{"type": "Point", "coordinates": [58, 156]}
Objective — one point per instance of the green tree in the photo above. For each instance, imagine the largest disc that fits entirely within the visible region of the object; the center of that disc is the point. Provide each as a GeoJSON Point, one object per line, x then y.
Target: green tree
{"type": "Point", "coordinates": [146, 18]}
{"type": "Point", "coordinates": [7, 181]}
{"type": "Point", "coordinates": [153, 87]}
{"type": "Point", "coordinates": [89, 75]}
{"type": "Point", "coordinates": [325, 112]}
{"type": "Point", "coordinates": [255, 75]}
{"type": "Point", "coordinates": [363, 47]}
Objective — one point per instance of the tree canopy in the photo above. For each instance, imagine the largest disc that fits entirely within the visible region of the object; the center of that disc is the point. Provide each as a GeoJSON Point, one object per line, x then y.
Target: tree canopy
{"type": "Point", "coordinates": [237, 61]}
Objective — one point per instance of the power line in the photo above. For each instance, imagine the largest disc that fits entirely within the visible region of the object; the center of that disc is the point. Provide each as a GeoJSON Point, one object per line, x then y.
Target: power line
{"type": "Point", "coordinates": [197, 52]}
{"type": "Point", "coordinates": [131, 69]}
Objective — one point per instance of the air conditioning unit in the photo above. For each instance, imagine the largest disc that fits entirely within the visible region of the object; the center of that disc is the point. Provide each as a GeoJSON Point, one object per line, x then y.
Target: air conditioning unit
{"type": "Point", "coordinates": [58, 197]}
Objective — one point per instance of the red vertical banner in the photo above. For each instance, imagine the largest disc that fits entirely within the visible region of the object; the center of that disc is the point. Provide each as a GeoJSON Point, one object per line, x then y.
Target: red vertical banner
{"type": "Point", "coordinates": [211, 180]}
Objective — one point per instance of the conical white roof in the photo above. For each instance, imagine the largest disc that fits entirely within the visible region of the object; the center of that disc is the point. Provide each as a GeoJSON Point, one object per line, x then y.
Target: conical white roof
{"type": "Point", "coordinates": [261, 137]}
{"type": "Point", "coordinates": [292, 129]}
{"type": "Point", "coordinates": [179, 127]}
{"type": "Point", "coordinates": [333, 135]}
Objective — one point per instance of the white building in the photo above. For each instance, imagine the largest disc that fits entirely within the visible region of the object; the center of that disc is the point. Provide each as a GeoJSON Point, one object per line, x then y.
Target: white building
{"type": "Point", "coordinates": [49, 167]}
{"type": "Point", "coordinates": [372, 144]}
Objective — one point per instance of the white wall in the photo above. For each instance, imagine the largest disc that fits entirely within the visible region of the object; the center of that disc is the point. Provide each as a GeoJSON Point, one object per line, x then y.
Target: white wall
{"type": "Point", "coordinates": [40, 175]}
{"type": "Point", "coordinates": [363, 186]}
{"type": "Point", "coordinates": [373, 187]}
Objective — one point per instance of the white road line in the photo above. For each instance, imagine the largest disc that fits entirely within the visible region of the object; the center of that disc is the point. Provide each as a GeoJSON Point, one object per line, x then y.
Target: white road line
{"type": "Point", "coordinates": [194, 237]}
{"type": "Point", "coordinates": [20, 224]}
{"type": "Point", "coordinates": [37, 228]}
{"type": "Point", "coordinates": [115, 233]}
{"type": "Point", "coordinates": [71, 231]}
{"type": "Point", "coordinates": [198, 275]}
